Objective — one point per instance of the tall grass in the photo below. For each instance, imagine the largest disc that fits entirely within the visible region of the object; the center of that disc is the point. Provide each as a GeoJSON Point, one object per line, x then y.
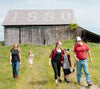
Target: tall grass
{"type": "Point", "coordinates": [42, 76]}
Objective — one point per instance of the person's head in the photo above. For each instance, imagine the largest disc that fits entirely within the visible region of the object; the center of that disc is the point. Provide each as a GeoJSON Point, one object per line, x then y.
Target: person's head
{"type": "Point", "coordinates": [15, 46]}
{"type": "Point", "coordinates": [78, 40]}
{"type": "Point", "coordinates": [29, 53]}
{"type": "Point", "coordinates": [59, 44]}
{"type": "Point", "coordinates": [66, 51]}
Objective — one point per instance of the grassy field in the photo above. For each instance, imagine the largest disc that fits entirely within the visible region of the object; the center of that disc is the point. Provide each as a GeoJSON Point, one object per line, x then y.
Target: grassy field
{"type": "Point", "coordinates": [41, 76]}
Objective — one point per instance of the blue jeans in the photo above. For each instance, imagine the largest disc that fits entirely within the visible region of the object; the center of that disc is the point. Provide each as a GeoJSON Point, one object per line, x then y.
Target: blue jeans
{"type": "Point", "coordinates": [80, 64]}
{"type": "Point", "coordinates": [15, 68]}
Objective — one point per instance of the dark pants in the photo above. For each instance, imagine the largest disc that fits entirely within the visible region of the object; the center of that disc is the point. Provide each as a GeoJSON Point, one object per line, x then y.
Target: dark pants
{"type": "Point", "coordinates": [15, 67]}
{"type": "Point", "coordinates": [56, 67]}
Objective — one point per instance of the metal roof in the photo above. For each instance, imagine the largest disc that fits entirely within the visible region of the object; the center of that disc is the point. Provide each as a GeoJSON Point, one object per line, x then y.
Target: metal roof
{"type": "Point", "coordinates": [39, 17]}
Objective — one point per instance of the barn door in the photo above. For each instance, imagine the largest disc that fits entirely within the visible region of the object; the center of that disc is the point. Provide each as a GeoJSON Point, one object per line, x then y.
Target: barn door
{"type": "Point", "coordinates": [19, 36]}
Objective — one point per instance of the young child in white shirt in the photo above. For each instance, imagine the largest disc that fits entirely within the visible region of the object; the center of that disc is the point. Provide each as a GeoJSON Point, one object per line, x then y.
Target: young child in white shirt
{"type": "Point", "coordinates": [30, 59]}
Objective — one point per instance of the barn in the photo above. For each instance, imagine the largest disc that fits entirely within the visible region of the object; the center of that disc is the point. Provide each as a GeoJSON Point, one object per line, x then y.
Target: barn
{"type": "Point", "coordinates": [41, 27]}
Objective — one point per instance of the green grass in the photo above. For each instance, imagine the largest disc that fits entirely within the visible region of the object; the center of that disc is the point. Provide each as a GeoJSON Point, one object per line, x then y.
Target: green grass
{"type": "Point", "coordinates": [42, 76]}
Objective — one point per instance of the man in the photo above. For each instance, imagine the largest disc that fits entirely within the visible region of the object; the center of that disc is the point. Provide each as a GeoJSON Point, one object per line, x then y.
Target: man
{"type": "Point", "coordinates": [80, 50]}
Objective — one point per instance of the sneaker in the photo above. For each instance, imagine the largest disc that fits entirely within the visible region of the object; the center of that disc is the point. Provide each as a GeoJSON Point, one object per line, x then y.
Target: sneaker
{"type": "Point", "coordinates": [78, 83]}
{"type": "Point", "coordinates": [89, 84]}
{"type": "Point", "coordinates": [65, 79]}
{"type": "Point", "coordinates": [56, 84]}
{"type": "Point", "coordinates": [60, 80]}
{"type": "Point", "coordinates": [81, 73]}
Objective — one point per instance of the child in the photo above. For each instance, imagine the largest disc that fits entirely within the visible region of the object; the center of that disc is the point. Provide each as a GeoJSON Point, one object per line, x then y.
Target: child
{"type": "Point", "coordinates": [30, 59]}
{"type": "Point", "coordinates": [66, 65]}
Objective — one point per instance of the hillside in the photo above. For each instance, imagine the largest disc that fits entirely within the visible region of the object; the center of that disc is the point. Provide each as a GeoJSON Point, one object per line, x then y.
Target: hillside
{"type": "Point", "coordinates": [41, 76]}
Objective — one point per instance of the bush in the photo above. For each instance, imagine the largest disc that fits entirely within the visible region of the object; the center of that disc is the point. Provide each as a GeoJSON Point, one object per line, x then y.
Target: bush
{"type": "Point", "coordinates": [2, 43]}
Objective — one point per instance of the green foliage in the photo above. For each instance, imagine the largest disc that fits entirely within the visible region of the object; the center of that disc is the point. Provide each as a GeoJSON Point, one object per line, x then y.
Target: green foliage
{"type": "Point", "coordinates": [2, 43]}
{"type": "Point", "coordinates": [73, 26]}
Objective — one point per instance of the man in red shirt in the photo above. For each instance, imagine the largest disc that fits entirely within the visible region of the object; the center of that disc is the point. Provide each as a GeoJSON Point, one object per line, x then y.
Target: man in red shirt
{"type": "Point", "coordinates": [80, 55]}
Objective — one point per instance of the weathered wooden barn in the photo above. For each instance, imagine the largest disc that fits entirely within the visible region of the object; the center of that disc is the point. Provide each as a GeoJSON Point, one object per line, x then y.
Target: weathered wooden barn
{"type": "Point", "coordinates": [40, 26]}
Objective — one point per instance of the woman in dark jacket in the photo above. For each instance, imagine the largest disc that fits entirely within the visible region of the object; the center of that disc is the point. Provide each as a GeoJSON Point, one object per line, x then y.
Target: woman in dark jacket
{"type": "Point", "coordinates": [15, 59]}
{"type": "Point", "coordinates": [55, 58]}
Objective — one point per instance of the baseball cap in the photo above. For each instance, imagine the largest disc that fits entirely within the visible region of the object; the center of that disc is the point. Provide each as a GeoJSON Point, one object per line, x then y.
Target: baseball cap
{"type": "Point", "coordinates": [78, 39]}
{"type": "Point", "coordinates": [66, 49]}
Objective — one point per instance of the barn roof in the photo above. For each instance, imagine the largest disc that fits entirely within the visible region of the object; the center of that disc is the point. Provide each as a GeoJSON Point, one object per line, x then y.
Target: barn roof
{"type": "Point", "coordinates": [39, 17]}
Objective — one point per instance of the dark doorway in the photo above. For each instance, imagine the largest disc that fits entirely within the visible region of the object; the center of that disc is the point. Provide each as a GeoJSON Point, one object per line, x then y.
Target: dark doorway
{"type": "Point", "coordinates": [44, 41]}
{"type": "Point", "coordinates": [88, 36]}
{"type": "Point", "coordinates": [19, 36]}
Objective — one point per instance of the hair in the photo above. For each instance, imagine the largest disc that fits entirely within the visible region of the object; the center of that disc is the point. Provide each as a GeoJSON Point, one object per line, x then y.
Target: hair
{"type": "Point", "coordinates": [57, 43]}
{"type": "Point", "coordinates": [29, 53]}
{"type": "Point", "coordinates": [13, 46]}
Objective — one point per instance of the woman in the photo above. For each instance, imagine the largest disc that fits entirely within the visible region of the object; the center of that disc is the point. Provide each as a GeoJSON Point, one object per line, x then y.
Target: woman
{"type": "Point", "coordinates": [15, 59]}
{"type": "Point", "coordinates": [80, 50]}
{"type": "Point", "coordinates": [55, 58]}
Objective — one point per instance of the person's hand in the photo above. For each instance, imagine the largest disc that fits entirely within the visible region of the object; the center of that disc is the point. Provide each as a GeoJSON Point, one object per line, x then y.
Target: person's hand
{"type": "Point", "coordinates": [91, 60]}
{"type": "Point", "coordinates": [61, 62]}
{"type": "Point", "coordinates": [49, 64]}
{"type": "Point", "coordinates": [73, 70]}
{"type": "Point", "coordinates": [20, 63]}
{"type": "Point", "coordinates": [10, 63]}
{"type": "Point", "coordinates": [77, 59]}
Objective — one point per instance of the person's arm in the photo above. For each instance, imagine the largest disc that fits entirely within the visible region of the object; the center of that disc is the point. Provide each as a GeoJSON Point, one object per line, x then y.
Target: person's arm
{"type": "Point", "coordinates": [49, 61]}
{"type": "Point", "coordinates": [89, 53]}
{"type": "Point", "coordinates": [33, 57]}
{"type": "Point", "coordinates": [69, 60]}
{"type": "Point", "coordinates": [74, 54]}
{"type": "Point", "coordinates": [50, 57]}
{"type": "Point", "coordinates": [10, 57]}
{"type": "Point", "coordinates": [20, 56]}
{"type": "Point", "coordinates": [74, 63]}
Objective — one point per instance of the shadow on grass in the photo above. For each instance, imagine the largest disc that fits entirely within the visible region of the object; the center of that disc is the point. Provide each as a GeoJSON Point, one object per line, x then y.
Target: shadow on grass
{"type": "Point", "coordinates": [87, 87]}
{"type": "Point", "coordinates": [81, 85]}
{"type": "Point", "coordinates": [38, 82]}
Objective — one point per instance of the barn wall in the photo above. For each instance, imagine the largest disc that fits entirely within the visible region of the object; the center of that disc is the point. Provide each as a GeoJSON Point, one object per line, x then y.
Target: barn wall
{"type": "Point", "coordinates": [37, 34]}
{"type": "Point", "coordinates": [44, 34]}
{"type": "Point", "coordinates": [11, 35]}
{"type": "Point", "coordinates": [26, 34]}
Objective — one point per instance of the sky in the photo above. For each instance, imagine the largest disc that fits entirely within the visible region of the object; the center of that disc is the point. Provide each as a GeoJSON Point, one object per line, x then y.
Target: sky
{"type": "Point", "coordinates": [87, 12]}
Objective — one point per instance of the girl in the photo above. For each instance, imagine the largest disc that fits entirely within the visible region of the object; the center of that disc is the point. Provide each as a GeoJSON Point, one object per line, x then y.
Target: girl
{"type": "Point", "coordinates": [30, 59]}
{"type": "Point", "coordinates": [66, 65]}
{"type": "Point", "coordinates": [15, 59]}
{"type": "Point", "coordinates": [55, 59]}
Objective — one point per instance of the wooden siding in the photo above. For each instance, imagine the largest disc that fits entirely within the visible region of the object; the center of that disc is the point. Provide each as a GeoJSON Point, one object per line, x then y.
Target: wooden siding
{"type": "Point", "coordinates": [11, 35]}
{"type": "Point", "coordinates": [37, 34]}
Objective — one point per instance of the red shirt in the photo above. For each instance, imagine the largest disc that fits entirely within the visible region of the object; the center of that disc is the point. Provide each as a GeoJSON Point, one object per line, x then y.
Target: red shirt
{"type": "Point", "coordinates": [81, 50]}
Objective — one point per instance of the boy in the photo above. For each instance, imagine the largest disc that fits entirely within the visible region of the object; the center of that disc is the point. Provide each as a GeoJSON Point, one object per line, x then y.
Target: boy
{"type": "Point", "coordinates": [66, 65]}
